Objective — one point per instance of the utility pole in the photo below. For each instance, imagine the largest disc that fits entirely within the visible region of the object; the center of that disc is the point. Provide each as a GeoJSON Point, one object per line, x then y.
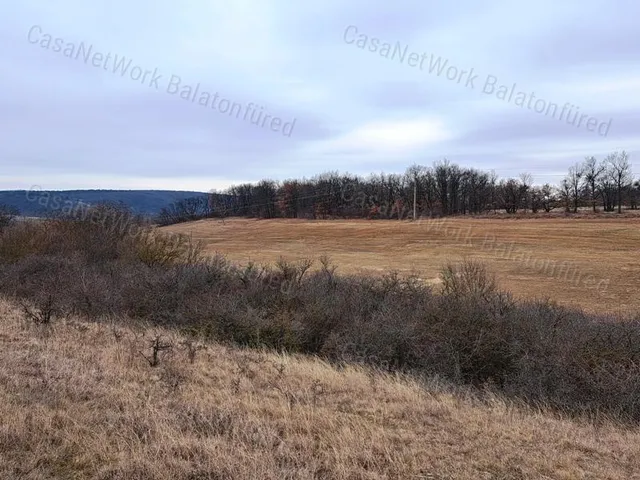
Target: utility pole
{"type": "Point", "coordinates": [415, 195]}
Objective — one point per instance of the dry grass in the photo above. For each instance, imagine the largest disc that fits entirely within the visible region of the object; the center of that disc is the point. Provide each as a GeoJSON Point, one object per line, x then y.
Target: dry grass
{"type": "Point", "coordinates": [596, 249]}
{"type": "Point", "coordinates": [79, 400]}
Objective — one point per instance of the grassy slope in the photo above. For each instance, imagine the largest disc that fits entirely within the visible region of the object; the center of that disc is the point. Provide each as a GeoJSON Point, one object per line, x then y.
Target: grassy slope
{"type": "Point", "coordinates": [78, 400]}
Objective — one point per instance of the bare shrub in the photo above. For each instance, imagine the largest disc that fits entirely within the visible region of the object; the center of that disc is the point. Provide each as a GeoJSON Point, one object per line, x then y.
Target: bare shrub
{"type": "Point", "coordinates": [328, 268]}
{"type": "Point", "coordinates": [7, 216]}
{"type": "Point", "coordinates": [44, 314]}
{"type": "Point", "coordinates": [157, 249]}
{"type": "Point", "coordinates": [472, 334]}
{"type": "Point", "coordinates": [156, 346]}
{"type": "Point", "coordinates": [469, 278]}
{"type": "Point", "coordinates": [22, 239]}
{"type": "Point", "coordinates": [292, 273]}
{"type": "Point", "coordinates": [192, 348]}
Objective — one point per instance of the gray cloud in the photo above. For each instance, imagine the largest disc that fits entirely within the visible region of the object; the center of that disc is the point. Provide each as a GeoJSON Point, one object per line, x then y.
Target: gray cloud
{"type": "Point", "coordinates": [66, 121]}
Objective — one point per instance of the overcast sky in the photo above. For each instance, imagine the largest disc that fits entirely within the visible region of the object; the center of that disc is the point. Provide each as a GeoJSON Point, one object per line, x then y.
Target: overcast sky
{"type": "Point", "coordinates": [70, 123]}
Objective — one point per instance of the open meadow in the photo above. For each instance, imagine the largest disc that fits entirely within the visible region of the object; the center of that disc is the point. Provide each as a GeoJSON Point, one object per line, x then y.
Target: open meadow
{"type": "Point", "coordinates": [590, 263]}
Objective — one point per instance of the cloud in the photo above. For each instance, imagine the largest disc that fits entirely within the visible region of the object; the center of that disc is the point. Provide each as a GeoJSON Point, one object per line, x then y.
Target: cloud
{"type": "Point", "coordinates": [392, 136]}
{"type": "Point", "coordinates": [67, 123]}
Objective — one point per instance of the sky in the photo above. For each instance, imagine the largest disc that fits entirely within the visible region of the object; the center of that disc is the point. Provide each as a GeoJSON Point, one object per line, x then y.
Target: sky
{"type": "Point", "coordinates": [204, 94]}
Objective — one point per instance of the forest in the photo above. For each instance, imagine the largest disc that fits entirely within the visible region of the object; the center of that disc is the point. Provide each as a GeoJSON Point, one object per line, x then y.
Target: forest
{"type": "Point", "coordinates": [443, 189]}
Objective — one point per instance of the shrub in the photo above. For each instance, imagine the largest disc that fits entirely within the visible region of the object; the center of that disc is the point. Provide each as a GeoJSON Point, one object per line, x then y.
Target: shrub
{"type": "Point", "coordinates": [472, 334]}
{"type": "Point", "coordinates": [469, 278]}
{"type": "Point", "coordinates": [21, 240]}
{"type": "Point", "coordinates": [7, 216]}
{"type": "Point", "coordinates": [155, 249]}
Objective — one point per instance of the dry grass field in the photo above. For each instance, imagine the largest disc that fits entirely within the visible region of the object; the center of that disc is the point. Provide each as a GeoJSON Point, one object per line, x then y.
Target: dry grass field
{"type": "Point", "coordinates": [591, 263]}
{"type": "Point", "coordinates": [79, 400]}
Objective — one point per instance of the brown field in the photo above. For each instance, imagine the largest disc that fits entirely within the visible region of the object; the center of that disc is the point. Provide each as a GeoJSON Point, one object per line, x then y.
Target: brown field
{"type": "Point", "coordinates": [601, 272]}
{"type": "Point", "coordinates": [78, 400]}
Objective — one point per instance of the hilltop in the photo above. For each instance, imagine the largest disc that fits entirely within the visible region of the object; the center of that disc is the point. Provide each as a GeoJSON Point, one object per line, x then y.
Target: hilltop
{"type": "Point", "coordinates": [37, 203]}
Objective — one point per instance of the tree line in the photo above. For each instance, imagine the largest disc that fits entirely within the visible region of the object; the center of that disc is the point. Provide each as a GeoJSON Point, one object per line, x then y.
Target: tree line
{"type": "Point", "coordinates": [440, 190]}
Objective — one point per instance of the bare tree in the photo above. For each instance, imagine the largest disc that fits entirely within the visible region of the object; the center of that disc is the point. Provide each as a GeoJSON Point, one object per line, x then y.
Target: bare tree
{"type": "Point", "coordinates": [511, 195]}
{"type": "Point", "coordinates": [634, 195]}
{"type": "Point", "coordinates": [565, 194]}
{"type": "Point", "coordinates": [573, 181]}
{"type": "Point", "coordinates": [548, 197]}
{"type": "Point", "coordinates": [185, 210]}
{"type": "Point", "coordinates": [493, 184]}
{"type": "Point", "coordinates": [621, 170]}
{"type": "Point", "coordinates": [443, 189]}
{"type": "Point", "coordinates": [526, 180]}
{"type": "Point", "coordinates": [592, 171]}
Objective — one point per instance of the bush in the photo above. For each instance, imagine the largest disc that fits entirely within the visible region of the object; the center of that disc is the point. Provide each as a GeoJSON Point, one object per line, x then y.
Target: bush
{"type": "Point", "coordinates": [21, 240]}
{"type": "Point", "coordinates": [7, 216]}
{"type": "Point", "coordinates": [472, 333]}
{"type": "Point", "coordinates": [468, 279]}
{"type": "Point", "coordinates": [155, 249]}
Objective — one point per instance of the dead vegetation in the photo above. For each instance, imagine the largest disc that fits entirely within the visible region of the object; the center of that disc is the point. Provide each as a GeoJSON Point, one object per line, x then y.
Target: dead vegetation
{"type": "Point", "coordinates": [128, 365]}
{"type": "Point", "coordinates": [469, 331]}
{"type": "Point", "coordinates": [77, 400]}
{"type": "Point", "coordinates": [566, 254]}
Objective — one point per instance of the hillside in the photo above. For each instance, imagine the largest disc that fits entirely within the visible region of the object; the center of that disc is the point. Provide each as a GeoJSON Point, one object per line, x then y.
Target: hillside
{"type": "Point", "coordinates": [39, 203]}
{"type": "Point", "coordinates": [79, 400]}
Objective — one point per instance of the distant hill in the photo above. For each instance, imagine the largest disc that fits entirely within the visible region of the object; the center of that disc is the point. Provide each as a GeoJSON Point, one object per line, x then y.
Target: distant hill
{"type": "Point", "coordinates": [37, 203]}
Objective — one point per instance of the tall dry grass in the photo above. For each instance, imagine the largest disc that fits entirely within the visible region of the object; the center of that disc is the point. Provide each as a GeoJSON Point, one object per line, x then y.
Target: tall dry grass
{"type": "Point", "coordinates": [81, 400]}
